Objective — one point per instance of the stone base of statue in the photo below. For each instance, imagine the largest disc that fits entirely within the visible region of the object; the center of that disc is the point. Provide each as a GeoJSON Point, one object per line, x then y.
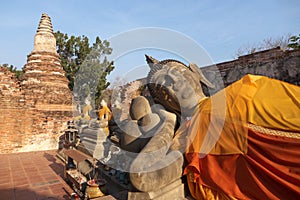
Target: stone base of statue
{"type": "Point", "coordinates": [92, 142]}
{"type": "Point", "coordinates": [174, 191]}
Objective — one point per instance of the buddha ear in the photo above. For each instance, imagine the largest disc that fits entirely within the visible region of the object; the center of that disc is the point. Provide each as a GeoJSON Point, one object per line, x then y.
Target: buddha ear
{"type": "Point", "coordinates": [194, 68]}
{"type": "Point", "coordinates": [151, 61]}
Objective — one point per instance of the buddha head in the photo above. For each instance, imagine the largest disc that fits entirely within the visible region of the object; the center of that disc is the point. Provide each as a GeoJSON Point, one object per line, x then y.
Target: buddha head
{"type": "Point", "coordinates": [175, 85]}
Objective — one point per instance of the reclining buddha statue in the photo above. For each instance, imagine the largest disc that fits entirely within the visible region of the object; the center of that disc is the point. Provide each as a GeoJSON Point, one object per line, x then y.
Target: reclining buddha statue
{"type": "Point", "coordinates": [241, 143]}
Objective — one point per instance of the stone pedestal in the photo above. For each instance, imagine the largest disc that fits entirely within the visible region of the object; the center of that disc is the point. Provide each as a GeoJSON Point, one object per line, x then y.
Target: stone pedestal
{"type": "Point", "coordinates": [173, 191]}
{"type": "Point", "coordinates": [92, 142]}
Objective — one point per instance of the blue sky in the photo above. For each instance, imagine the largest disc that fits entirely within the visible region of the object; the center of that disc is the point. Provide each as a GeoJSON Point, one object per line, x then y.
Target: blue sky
{"type": "Point", "coordinates": [219, 27]}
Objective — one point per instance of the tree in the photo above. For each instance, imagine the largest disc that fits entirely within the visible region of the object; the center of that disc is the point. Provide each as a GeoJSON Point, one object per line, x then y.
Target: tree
{"type": "Point", "coordinates": [294, 42]}
{"type": "Point", "coordinates": [86, 65]}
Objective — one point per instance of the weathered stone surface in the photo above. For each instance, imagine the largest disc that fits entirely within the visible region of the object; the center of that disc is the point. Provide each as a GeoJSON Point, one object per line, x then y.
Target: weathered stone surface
{"type": "Point", "coordinates": [151, 138]}
{"type": "Point", "coordinates": [92, 142]}
{"type": "Point", "coordinates": [35, 110]}
{"type": "Point", "coordinates": [174, 75]}
{"type": "Point", "coordinates": [174, 191]}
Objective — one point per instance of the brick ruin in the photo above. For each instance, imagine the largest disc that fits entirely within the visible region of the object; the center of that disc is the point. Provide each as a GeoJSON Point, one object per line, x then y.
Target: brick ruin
{"type": "Point", "coordinates": [273, 63]}
{"type": "Point", "coordinates": [34, 110]}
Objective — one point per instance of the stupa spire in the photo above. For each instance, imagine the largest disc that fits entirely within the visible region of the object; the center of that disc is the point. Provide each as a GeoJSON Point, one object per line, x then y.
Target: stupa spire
{"type": "Point", "coordinates": [44, 39]}
{"type": "Point", "coordinates": [45, 24]}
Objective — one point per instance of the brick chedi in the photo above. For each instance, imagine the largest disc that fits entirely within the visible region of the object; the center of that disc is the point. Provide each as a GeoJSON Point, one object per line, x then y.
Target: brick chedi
{"type": "Point", "coordinates": [44, 81]}
{"type": "Point", "coordinates": [34, 110]}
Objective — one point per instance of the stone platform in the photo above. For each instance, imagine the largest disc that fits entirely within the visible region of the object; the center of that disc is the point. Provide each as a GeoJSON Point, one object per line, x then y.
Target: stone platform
{"type": "Point", "coordinates": [173, 191]}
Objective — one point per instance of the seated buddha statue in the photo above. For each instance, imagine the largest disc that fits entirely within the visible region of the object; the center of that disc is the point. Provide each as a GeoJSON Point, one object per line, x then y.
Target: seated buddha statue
{"type": "Point", "coordinates": [87, 108]}
{"type": "Point", "coordinates": [104, 116]}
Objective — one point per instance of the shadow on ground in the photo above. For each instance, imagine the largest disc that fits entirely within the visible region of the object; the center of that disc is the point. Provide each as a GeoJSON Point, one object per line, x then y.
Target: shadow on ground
{"type": "Point", "coordinates": [55, 165]}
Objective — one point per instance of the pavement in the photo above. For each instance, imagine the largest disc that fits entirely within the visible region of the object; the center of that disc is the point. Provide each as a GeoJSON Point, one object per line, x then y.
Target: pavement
{"type": "Point", "coordinates": [34, 175]}
{"type": "Point", "coordinates": [37, 175]}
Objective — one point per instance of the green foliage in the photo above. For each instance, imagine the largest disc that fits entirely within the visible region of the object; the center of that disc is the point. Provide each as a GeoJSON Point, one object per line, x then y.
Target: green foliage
{"type": "Point", "coordinates": [86, 65]}
{"type": "Point", "coordinates": [14, 70]}
{"type": "Point", "coordinates": [294, 42]}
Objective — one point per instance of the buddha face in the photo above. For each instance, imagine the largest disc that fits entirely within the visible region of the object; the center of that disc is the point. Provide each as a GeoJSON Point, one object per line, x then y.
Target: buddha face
{"type": "Point", "coordinates": [176, 87]}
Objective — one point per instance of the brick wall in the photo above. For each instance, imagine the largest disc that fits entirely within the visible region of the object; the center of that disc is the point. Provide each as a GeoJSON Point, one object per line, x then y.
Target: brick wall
{"type": "Point", "coordinates": [25, 126]}
{"type": "Point", "coordinates": [273, 63]}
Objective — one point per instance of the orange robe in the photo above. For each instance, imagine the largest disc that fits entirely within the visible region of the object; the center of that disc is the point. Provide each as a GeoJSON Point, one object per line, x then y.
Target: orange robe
{"type": "Point", "coordinates": [105, 114]}
{"type": "Point", "coordinates": [244, 142]}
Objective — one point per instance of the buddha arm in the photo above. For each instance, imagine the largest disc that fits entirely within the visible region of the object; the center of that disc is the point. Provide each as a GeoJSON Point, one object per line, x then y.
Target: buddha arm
{"type": "Point", "coordinates": [155, 162]}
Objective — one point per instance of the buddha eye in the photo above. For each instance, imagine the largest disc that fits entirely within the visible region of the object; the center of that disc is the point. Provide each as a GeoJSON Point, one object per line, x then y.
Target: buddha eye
{"type": "Point", "coordinates": [168, 81]}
